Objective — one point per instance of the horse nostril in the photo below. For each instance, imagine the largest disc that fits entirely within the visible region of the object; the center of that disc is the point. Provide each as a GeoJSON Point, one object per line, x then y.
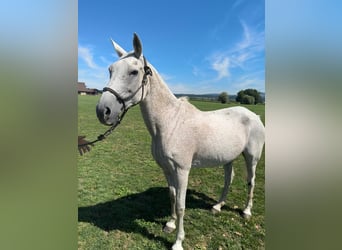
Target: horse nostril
{"type": "Point", "coordinates": [107, 112]}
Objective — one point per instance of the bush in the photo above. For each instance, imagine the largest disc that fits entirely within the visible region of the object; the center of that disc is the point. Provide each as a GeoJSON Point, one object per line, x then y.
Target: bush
{"type": "Point", "coordinates": [223, 97]}
{"type": "Point", "coordinates": [249, 92]}
{"type": "Point", "coordinates": [247, 99]}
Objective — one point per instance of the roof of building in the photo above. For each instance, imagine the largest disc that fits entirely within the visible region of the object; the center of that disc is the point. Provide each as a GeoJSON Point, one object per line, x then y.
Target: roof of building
{"type": "Point", "coordinates": [81, 87]}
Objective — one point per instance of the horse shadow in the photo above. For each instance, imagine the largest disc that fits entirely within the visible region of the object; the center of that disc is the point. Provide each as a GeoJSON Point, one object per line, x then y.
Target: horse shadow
{"type": "Point", "coordinates": [152, 205]}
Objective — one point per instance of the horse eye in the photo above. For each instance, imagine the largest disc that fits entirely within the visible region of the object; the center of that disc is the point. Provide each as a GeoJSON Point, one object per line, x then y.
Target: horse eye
{"type": "Point", "coordinates": [134, 72]}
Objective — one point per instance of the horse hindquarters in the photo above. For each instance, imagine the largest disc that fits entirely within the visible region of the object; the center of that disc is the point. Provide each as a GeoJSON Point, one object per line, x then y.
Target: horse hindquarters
{"type": "Point", "coordinates": [252, 154]}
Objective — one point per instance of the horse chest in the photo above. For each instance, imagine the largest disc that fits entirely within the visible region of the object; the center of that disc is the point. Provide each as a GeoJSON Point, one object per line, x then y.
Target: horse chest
{"type": "Point", "coordinates": [171, 154]}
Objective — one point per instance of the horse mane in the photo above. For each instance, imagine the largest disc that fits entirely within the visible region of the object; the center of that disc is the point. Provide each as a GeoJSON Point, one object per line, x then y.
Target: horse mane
{"type": "Point", "coordinates": [184, 98]}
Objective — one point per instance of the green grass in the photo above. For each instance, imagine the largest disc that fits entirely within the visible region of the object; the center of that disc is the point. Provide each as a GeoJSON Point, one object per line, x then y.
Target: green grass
{"type": "Point", "coordinates": [123, 197]}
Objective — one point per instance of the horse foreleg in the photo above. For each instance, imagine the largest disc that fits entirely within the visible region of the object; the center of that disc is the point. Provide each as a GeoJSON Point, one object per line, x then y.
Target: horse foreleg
{"type": "Point", "coordinates": [171, 224]}
{"type": "Point", "coordinates": [228, 178]}
{"type": "Point", "coordinates": [182, 183]}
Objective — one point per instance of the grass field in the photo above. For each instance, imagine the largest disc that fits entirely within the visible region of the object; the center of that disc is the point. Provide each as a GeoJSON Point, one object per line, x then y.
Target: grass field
{"type": "Point", "coordinates": [123, 197]}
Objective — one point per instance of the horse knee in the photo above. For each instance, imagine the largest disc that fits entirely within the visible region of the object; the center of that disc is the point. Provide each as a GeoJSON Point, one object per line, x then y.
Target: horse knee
{"type": "Point", "coordinates": [180, 212]}
{"type": "Point", "coordinates": [172, 193]}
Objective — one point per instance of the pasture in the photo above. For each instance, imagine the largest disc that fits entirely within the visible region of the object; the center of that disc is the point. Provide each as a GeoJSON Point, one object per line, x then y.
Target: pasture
{"type": "Point", "coordinates": [123, 199]}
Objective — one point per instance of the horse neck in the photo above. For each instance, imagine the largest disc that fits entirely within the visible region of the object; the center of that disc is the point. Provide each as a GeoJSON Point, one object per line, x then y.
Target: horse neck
{"type": "Point", "coordinates": [158, 105]}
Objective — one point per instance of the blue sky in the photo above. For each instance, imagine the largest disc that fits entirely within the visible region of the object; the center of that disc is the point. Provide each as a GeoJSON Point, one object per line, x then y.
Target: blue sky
{"type": "Point", "coordinates": [198, 47]}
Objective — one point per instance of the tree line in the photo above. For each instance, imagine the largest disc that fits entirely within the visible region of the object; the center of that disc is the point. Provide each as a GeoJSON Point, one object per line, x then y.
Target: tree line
{"type": "Point", "coordinates": [247, 96]}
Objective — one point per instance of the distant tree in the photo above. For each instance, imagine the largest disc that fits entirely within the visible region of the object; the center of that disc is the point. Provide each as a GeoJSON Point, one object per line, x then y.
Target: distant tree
{"type": "Point", "coordinates": [255, 94]}
{"type": "Point", "coordinates": [239, 96]}
{"type": "Point", "coordinates": [249, 92]}
{"type": "Point", "coordinates": [248, 99]}
{"type": "Point", "coordinates": [223, 97]}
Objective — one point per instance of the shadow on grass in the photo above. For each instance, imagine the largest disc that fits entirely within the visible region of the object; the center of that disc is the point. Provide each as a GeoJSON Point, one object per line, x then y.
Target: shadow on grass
{"type": "Point", "coordinates": [151, 205]}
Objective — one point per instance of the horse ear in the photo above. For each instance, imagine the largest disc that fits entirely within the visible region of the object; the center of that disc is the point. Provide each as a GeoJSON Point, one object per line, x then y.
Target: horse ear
{"type": "Point", "coordinates": [120, 51]}
{"type": "Point", "coordinates": [137, 46]}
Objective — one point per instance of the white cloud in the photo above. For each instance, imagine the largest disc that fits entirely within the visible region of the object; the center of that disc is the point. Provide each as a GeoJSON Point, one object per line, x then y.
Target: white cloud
{"type": "Point", "coordinates": [248, 48]}
{"type": "Point", "coordinates": [221, 66]}
{"type": "Point", "coordinates": [237, 3]}
{"type": "Point", "coordinates": [239, 55]}
{"type": "Point", "coordinates": [241, 58]}
{"type": "Point", "coordinates": [247, 37]}
{"type": "Point", "coordinates": [85, 54]}
{"type": "Point", "coordinates": [95, 75]}
{"type": "Point", "coordinates": [105, 60]}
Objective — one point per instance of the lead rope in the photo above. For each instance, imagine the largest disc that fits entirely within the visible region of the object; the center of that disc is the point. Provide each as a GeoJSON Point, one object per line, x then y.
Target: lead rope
{"type": "Point", "coordinates": [84, 145]}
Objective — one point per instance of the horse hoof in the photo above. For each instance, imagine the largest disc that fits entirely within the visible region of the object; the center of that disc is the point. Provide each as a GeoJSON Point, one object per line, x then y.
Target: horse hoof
{"type": "Point", "coordinates": [169, 227]}
{"type": "Point", "coordinates": [168, 230]}
{"type": "Point", "coordinates": [177, 247]}
{"type": "Point", "coordinates": [215, 210]}
{"type": "Point", "coordinates": [246, 216]}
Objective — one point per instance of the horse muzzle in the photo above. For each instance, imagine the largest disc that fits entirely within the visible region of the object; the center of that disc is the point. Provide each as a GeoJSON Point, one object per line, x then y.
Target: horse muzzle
{"type": "Point", "coordinates": [108, 109]}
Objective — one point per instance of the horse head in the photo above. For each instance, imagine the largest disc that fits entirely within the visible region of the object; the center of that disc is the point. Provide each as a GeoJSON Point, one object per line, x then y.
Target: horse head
{"type": "Point", "coordinates": [127, 79]}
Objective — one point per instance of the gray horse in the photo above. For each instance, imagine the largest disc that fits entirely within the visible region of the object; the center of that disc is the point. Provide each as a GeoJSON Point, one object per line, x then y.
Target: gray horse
{"type": "Point", "coordinates": [182, 136]}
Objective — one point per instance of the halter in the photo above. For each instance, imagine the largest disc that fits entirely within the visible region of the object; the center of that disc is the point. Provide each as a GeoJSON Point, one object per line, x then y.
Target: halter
{"type": "Point", "coordinates": [147, 72]}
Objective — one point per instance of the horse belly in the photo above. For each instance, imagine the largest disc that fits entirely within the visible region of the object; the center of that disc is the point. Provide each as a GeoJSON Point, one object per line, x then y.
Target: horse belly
{"type": "Point", "coordinates": [212, 159]}
{"type": "Point", "coordinates": [217, 149]}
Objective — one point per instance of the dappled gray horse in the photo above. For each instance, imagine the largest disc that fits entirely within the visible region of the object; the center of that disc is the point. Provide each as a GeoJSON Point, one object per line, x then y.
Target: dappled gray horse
{"type": "Point", "coordinates": [182, 136]}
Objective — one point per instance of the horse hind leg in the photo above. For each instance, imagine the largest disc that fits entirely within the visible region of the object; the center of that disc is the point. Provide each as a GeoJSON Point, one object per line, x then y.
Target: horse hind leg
{"type": "Point", "coordinates": [251, 162]}
{"type": "Point", "coordinates": [228, 178]}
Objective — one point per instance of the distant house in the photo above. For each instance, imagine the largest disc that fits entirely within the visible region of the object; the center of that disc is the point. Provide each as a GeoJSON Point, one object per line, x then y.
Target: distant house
{"type": "Point", "coordinates": [83, 90]}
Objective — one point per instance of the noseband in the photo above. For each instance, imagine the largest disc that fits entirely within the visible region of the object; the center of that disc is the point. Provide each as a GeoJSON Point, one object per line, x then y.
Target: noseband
{"type": "Point", "coordinates": [147, 72]}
